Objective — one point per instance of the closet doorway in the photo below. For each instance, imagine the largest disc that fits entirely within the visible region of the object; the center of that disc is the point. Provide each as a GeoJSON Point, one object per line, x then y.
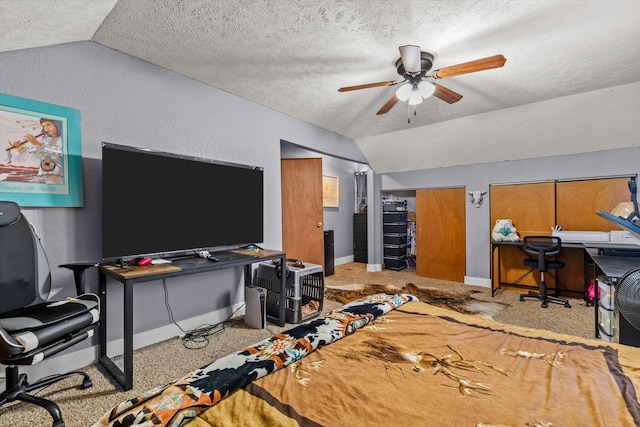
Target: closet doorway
{"type": "Point", "coordinates": [441, 233]}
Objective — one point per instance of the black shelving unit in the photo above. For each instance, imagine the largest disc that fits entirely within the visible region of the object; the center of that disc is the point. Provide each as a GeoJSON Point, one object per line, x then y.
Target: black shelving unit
{"type": "Point", "coordinates": [360, 252]}
{"type": "Point", "coordinates": [394, 235]}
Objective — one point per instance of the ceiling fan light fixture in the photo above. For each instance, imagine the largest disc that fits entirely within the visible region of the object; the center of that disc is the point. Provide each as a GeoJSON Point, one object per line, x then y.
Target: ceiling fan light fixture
{"type": "Point", "coordinates": [426, 89]}
{"type": "Point", "coordinates": [403, 92]}
{"type": "Point", "coordinates": [410, 55]}
{"type": "Point", "coordinates": [415, 97]}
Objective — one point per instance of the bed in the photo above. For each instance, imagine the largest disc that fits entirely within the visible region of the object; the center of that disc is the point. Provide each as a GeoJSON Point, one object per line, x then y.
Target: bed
{"type": "Point", "coordinates": [389, 359]}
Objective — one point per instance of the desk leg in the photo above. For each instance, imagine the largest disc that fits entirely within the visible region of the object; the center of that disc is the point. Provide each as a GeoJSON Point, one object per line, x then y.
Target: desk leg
{"type": "Point", "coordinates": [494, 289]}
{"type": "Point", "coordinates": [248, 280]}
{"type": "Point", "coordinates": [102, 328]}
{"type": "Point", "coordinates": [124, 378]}
{"type": "Point", "coordinates": [128, 335]}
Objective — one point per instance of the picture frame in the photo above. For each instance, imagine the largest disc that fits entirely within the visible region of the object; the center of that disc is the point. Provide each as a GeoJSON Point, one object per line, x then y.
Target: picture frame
{"type": "Point", "coordinates": [41, 155]}
{"type": "Point", "coordinates": [330, 191]}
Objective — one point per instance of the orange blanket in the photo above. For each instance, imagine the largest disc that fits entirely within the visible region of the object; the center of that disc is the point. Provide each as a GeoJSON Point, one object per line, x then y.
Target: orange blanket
{"type": "Point", "coordinates": [423, 365]}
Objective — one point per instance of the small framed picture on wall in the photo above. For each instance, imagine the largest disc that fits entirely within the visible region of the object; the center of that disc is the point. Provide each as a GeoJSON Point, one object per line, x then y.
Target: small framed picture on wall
{"type": "Point", "coordinates": [330, 191]}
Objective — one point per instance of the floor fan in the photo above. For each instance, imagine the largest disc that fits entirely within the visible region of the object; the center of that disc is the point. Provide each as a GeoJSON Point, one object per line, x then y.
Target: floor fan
{"type": "Point", "coordinates": [628, 303]}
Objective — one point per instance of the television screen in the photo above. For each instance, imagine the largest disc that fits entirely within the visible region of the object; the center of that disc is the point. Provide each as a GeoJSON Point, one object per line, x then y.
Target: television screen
{"type": "Point", "coordinates": [157, 203]}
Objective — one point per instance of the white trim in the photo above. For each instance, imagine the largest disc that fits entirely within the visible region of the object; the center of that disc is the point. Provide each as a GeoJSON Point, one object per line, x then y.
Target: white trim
{"type": "Point", "coordinates": [343, 260]}
{"type": "Point", "coordinates": [477, 281]}
{"type": "Point", "coordinates": [374, 267]}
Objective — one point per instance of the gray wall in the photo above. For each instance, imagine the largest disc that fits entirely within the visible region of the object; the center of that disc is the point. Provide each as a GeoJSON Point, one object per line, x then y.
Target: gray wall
{"type": "Point", "coordinates": [624, 161]}
{"type": "Point", "coordinates": [127, 101]}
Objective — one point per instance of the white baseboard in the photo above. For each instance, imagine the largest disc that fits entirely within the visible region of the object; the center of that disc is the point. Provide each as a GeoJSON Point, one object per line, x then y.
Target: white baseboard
{"type": "Point", "coordinates": [88, 356]}
{"type": "Point", "coordinates": [343, 260]}
{"type": "Point", "coordinates": [477, 281]}
{"type": "Point", "coordinates": [374, 267]}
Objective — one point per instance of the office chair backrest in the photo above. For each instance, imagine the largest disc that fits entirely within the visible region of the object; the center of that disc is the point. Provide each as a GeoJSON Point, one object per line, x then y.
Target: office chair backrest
{"type": "Point", "coordinates": [542, 247]}
{"type": "Point", "coordinates": [25, 277]}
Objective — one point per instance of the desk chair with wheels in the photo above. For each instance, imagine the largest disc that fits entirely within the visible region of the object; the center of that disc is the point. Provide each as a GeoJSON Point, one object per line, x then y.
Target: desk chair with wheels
{"type": "Point", "coordinates": [32, 328]}
{"type": "Point", "coordinates": [543, 247]}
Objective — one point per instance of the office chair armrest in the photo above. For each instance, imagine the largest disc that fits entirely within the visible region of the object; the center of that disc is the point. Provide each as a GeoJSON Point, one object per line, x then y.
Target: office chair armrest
{"type": "Point", "coordinates": [78, 269]}
{"type": "Point", "coordinates": [8, 346]}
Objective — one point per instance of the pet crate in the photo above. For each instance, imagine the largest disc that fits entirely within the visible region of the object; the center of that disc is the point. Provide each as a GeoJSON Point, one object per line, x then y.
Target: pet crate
{"type": "Point", "coordinates": [304, 290]}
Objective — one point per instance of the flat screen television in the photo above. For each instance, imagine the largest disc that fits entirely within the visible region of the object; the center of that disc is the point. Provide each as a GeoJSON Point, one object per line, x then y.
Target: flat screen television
{"type": "Point", "coordinates": [157, 203]}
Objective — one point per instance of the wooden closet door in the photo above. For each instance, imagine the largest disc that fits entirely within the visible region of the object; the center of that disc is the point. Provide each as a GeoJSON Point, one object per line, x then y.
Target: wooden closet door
{"type": "Point", "coordinates": [531, 208]}
{"type": "Point", "coordinates": [302, 212]}
{"type": "Point", "coordinates": [576, 205]}
{"type": "Point", "coordinates": [578, 202]}
{"type": "Point", "coordinates": [441, 234]}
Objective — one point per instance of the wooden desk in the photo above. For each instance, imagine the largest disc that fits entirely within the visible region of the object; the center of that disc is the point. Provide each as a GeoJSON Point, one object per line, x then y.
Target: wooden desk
{"type": "Point", "coordinates": [129, 276]}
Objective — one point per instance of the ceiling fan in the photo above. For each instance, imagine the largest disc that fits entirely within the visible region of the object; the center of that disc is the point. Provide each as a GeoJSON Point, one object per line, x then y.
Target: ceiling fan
{"type": "Point", "coordinates": [413, 65]}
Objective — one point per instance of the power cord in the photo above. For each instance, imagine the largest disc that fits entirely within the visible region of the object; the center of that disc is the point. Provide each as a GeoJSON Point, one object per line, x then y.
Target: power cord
{"type": "Point", "coordinates": [200, 336]}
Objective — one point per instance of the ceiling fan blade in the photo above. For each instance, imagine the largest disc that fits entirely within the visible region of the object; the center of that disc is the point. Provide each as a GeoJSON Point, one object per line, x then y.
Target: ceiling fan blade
{"type": "Point", "coordinates": [367, 86]}
{"type": "Point", "coordinates": [410, 55]}
{"type": "Point", "coordinates": [447, 95]}
{"type": "Point", "coordinates": [496, 61]}
{"type": "Point", "coordinates": [388, 105]}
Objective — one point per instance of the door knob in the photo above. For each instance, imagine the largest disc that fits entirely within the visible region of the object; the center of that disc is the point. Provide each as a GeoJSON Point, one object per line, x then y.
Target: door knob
{"type": "Point", "coordinates": [319, 225]}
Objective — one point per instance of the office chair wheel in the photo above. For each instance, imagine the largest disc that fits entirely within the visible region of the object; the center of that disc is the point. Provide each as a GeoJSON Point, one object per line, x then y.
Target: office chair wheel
{"type": "Point", "coordinates": [544, 304]}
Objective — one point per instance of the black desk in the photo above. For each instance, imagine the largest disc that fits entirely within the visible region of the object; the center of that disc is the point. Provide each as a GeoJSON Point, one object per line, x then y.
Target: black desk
{"type": "Point", "coordinates": [613, 267]}
{"type": "Point", "coordinates": [495, 247]}
{"type": "Point", "coordinates": [128, 276]}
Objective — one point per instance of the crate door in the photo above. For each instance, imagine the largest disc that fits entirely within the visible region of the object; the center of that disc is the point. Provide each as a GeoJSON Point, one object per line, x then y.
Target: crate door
{"type": "Point", "coordinates": [441, 234]}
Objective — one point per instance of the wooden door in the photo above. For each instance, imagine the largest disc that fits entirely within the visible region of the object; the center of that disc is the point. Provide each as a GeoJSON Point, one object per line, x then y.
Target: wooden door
{"type": "Point", "coordinates": [441, 234]}
{"type": "Point", "coordinates": [302, 214]}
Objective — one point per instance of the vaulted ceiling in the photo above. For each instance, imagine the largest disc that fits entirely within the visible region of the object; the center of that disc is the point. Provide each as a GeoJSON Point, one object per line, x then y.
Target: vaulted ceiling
{"type": "Point", "coordinates": [292, 56]}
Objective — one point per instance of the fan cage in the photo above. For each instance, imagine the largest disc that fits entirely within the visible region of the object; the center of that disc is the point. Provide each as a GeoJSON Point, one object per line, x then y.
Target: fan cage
{"type": "Point", "coordinates": [628, 297]}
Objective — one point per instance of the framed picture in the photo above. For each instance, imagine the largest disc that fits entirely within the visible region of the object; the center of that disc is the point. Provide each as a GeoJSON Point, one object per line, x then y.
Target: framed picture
{"type": "Point", "coordinates": [41, 155]}
{"type": "Point", "coordinates": [330, 191]}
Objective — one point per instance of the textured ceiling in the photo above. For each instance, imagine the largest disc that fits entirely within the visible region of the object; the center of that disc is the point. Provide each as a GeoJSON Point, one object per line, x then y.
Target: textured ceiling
{"type": "Point", "coordinates": [292, 56]}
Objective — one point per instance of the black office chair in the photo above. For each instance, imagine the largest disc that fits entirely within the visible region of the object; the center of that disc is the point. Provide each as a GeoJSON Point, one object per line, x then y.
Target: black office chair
{"type": "Point", "coordinates": [542, 247]}
{"type": "Point", "coordinates": [32, 328]}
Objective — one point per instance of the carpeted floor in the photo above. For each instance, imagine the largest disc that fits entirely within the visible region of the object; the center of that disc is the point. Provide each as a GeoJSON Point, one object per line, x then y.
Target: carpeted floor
{"type": "Point", "coordinates": [505, 306]}
{"type": "Point", "coordinates": [168, 360]}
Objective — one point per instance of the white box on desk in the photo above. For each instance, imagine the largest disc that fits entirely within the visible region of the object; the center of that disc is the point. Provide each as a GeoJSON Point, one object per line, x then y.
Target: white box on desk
{"type": "Point", "coordinates": [620, 236]}
{"type": "Point", "coordinates": [582, 236]}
